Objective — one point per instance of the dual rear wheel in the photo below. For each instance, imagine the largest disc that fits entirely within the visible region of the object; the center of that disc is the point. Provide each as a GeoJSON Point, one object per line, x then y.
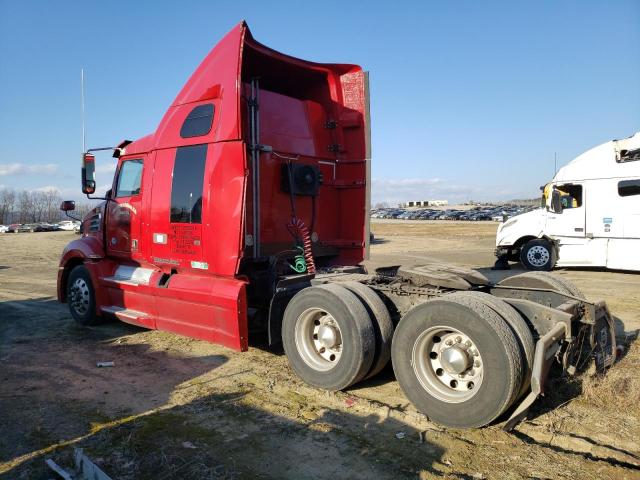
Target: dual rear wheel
{"type": "Point", "coordinates": [336, 335]}
{"type": "Point", "coordinates": [459, 361]}
{"type": "Point", "coordinates": [465, 358]}
{"type": "Point", "coordinates": [462, 359]}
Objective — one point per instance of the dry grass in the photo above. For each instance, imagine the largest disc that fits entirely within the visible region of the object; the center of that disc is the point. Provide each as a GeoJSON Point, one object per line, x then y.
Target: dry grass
{"type": "Point", "coordinates": [434, 229]}
{"type": "Point", "coordinates": [619, 388]}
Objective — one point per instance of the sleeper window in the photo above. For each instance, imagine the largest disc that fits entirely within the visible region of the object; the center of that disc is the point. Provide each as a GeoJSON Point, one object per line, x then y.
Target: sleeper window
{"type": "Point", "coordinates": [198, 122]}
{"type": "Point", "coordinates": [186, 186]}
{"type": "Point", "coordinates": [627, 188]}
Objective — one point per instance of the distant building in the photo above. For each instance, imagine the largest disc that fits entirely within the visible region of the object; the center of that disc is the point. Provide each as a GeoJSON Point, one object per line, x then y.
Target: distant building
{"type": "Point", "coordinates": [425, 203]}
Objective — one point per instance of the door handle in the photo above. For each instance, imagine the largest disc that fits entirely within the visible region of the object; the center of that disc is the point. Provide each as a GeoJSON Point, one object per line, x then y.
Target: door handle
{"type": "Point", "coordinates": [578, 229]}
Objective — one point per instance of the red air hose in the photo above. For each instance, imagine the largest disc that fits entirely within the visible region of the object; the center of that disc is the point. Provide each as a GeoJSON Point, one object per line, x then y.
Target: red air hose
{"type": "Point", "coordinates": [302, 231]}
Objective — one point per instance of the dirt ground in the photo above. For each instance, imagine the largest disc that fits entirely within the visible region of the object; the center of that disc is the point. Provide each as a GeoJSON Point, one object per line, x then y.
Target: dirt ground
{"type": "Point", "coordinates": [173, 407]}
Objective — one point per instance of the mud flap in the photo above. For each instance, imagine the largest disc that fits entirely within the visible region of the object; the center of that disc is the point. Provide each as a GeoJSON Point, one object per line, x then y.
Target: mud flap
{"type": "Point", "coordinates": [603, 352]}
{"type": "Point", "coordinates": [603, 339]}
{"type": "Point", "coordinates": [546, 349]}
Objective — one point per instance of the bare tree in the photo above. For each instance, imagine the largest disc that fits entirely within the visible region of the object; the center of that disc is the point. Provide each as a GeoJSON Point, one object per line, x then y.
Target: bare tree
{"type": "Point", "coordinates": [82, 208]}
{"type": "Point", "coordinates": [7, 205]}
{"type": "Point", "coordinates": [39, 201]}
{"type": "Point", "coordinates": [26, 213]}
{"type": "Point", "coordinates": [52, 202]}
{"type": "Point", "coordinates": [38, 206]}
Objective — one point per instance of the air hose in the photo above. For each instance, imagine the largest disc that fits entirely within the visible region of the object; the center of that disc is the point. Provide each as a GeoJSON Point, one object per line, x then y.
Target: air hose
{"type": "Point", "coordinates": [298, 229]}
{"type": "Point", "coordinates": [300, 265]}
{"type": "Point", "coordinates": [296, 225]}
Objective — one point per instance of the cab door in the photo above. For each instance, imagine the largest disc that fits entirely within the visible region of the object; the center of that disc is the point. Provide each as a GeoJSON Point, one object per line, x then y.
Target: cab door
{"type": "Point", "coordinates": [124, 209]}
{"type": "Point", "coordinates": [568, 225]}
{"type": "Point", "coordinates": [569, 221]}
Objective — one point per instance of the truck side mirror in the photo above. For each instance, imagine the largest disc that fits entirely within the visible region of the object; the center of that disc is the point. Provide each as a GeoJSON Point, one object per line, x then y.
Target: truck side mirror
{"type": "Point", "coordinates": [88, 173]}
{"type": "Point", "coordinates": [556, 202]}
{"type": "Point", "coordinates": [68, 205]}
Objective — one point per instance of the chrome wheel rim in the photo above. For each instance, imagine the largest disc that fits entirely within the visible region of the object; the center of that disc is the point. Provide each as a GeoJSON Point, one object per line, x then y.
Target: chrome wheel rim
{"type": "Point", "coordinates": [538, 256]}
{"type": "Point", "coordinates": [448, 364]}
{"type": "Point", "coordinates": [318, 339]}
{"type": "Point", "coordinates": [79, 296]}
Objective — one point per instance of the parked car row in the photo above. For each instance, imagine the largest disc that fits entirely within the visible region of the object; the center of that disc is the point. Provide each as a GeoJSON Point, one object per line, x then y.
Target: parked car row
{"type": "Point", "coordinates": [489, 213]}
{"type": "Point", "coordinates": [67, 225]}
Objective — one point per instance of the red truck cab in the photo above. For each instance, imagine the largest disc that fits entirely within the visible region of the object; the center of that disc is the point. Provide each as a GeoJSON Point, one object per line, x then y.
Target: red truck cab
{"type": "Point", "coordinates": [248, 206]}
{"type": "Point", "coordinates": [257, 173]}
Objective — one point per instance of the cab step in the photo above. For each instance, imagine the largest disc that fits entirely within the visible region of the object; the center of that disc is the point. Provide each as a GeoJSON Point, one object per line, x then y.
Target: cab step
{"type": "Point", "coordinates": [125, 314]}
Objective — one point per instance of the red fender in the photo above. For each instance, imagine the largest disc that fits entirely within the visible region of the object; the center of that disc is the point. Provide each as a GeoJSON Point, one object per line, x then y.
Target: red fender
{"type": "Point", "coordinates": [81, 251]}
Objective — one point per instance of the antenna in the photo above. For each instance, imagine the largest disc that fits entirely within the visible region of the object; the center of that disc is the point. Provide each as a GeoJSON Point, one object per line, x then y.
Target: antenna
{"type": "Point", "coordinates": [555, 163]}
{"type": "Point", "coordinates": [82, 105]}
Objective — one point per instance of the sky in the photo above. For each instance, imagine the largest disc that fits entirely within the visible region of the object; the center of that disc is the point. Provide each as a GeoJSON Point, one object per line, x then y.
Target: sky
{"type": "Point", "coordinates": [469, 100]}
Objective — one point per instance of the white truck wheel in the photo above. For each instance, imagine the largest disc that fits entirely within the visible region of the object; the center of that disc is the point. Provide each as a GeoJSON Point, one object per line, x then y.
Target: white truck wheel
{"type": "Point", "coordinates": [538, 254]}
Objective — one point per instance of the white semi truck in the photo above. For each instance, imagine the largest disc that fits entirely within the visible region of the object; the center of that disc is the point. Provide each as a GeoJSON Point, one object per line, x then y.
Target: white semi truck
{"type": "Point", "coordinates": [590, 214]}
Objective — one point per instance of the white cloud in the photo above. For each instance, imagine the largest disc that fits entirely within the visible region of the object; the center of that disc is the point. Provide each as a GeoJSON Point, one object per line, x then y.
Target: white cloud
{"type": "Point", "coordinates": [102, 189]}
{"type": "Point", "coordinates": [395, 190]}
{"type": "Point", "coordinates": [26, 169]}
{"type": "Point", "coordinates": [47, 188]}
{"type": "Point", "coordinates": [62, 191]}
{"type": "Point", "coordinates": [109, 167]}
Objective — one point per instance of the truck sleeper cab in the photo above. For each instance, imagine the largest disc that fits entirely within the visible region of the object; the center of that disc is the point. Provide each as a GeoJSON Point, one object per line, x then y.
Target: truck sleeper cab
{"type": "Point", "coordinates": [249, 207]}
{"type": "Point", "coordinates": [590, 214]}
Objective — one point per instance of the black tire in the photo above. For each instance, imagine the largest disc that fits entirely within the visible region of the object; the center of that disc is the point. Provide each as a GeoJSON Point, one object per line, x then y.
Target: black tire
{"type": "Point", "coordinates": [538, 254]}
{"type": "Point", "coordinates": [81, 297]}
{"type": "Point", "coordinates": [544, 280]}
{"type": "Point", "coordinates": [381, 321]}
{"type": "Point", "coordinates": [519, 326]}
{"type": "Point", "coordinates": [357, 336]}
{"type": "Point", "coordinates": [492, 337]}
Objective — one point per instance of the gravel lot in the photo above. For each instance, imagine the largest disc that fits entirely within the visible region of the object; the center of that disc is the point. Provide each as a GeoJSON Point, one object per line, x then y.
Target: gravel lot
{"type": "Point", "coordinates": [174, 407]}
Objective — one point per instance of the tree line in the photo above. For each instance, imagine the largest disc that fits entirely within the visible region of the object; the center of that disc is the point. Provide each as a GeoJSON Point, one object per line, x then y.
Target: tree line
{"type": "Point", "coordinates": [24, 206]}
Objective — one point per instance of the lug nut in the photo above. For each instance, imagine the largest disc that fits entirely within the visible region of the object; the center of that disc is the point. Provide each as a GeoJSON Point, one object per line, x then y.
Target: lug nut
{"type": "Point", "coordinates": [476, 363]}
{"type": "Point", "coordinates": [458, 339]}
{"type": "Point", "coordinates": [467, 343]}
{"type": "Point", "coordinates": [449, 343]}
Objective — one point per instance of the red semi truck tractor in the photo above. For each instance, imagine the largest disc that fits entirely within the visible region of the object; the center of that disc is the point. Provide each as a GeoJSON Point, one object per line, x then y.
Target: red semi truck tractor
{"type": "Point", "coordinates": [248, 210]}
